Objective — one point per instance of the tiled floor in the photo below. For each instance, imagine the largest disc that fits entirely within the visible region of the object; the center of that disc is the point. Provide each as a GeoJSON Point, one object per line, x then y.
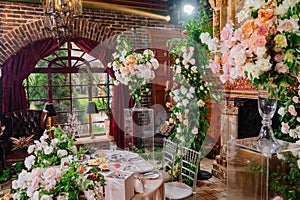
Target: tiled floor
{"type": "Point", "coordinates": [211, 189]}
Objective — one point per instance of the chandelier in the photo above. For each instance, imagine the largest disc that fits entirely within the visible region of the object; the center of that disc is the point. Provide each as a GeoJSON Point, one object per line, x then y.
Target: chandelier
{"type": "Point", "coordinates": [59, 15]}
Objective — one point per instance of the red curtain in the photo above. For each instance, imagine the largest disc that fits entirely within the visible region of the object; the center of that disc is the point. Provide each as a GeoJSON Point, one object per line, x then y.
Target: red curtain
{"type": "Point", "coordinates": [17, 68]}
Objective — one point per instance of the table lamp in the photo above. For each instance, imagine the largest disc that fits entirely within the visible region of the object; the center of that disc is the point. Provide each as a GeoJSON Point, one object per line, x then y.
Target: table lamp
{"type": "Point", "coordinates": [91, 108]}
{"type": "Point", "coordinates": [51, 112]}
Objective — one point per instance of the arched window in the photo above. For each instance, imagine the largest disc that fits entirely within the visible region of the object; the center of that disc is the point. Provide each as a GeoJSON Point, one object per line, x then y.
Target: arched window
{"type": "Point", "coordinates": [70, 78]}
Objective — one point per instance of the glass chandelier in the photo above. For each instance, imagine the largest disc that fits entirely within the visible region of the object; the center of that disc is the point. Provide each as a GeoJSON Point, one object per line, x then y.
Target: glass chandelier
{"type": "Point", "coordinates": [59, 15]}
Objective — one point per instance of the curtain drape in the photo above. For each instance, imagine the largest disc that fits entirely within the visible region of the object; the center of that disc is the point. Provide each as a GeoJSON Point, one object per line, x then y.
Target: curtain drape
{"type": "Point", "coordinates": [17, 68]}
{"type": "Point", "coordinates": [117, 107]}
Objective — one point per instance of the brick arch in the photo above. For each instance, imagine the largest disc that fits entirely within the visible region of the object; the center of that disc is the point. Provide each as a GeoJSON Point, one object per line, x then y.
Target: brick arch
{"type": "Point", "coordinates": [28, 33]}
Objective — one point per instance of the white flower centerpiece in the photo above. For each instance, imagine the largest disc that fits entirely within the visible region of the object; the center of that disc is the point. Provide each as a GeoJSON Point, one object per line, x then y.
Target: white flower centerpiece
{"type": "Point", "coordinates": [52, 171]}
{"type": "Point", "coordinates": [133, 69]}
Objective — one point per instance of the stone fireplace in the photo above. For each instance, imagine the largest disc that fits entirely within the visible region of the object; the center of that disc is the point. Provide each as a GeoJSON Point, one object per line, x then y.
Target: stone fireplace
{"type": "Point", "coordinates": [239, 119]}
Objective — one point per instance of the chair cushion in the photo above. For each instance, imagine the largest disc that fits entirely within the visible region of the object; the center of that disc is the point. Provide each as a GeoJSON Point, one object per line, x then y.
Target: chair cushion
{"type": "Point", "coordinates": [177, 190]}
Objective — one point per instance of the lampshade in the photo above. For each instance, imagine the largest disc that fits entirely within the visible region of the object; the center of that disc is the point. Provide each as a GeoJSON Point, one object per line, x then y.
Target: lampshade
{"type": "Point", "coordinates": [91, 108]}
{"type": "Point", "coordinates": [51, 110]}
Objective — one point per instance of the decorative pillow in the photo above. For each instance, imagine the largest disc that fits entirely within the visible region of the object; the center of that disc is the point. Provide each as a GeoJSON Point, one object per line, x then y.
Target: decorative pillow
{"type": "Point", "coordinates": [22, 142]}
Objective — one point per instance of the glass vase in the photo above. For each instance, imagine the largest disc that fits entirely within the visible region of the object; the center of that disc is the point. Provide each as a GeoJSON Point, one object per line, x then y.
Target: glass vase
{"type": "Point", "coordinates": [267, 104]}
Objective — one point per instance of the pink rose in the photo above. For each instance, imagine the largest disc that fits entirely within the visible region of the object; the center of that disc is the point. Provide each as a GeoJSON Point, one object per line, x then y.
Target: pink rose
{"type": "Point", "coordinates": [215, 67]}
{"type": "Point", "coordinates": [296, 99]}
{"type": "Point", "coordinates": [292, 110]}
{"type": "Point", "coordinates": [284, 127]}
{"type": "Point", "coordinates": [298, 119]}
{"type": "Point", "coordinates": [186, 122]}
{"type": "Point", "coordinates": [226, 33]}
{"type": "Point", "coordinates": [279, 57]}
{"type": "Point", "coordinates": [195, 131]}
{"type": "Point", "coordinates": [278, 198]}
{"type": "Point", "coordinates": [262, 30]}
{"type": "Point", "coordinates": [227, 59]}
{"type": "Point", "coordinates": [238, 34]}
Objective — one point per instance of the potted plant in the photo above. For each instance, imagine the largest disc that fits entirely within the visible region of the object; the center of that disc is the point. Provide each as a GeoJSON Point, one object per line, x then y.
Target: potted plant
{"type": "Point", "coordinates": [103, 107]}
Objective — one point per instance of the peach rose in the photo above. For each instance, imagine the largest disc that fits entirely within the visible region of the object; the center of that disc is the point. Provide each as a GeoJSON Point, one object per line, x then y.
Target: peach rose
{"type": "Point", "coordinates": [266, 16]}
{"type": "Point", "coordinates": [248, 28]}
{"type": "Point", "coordinates": [286, 25]}
{"type": "Point", "coordinates": [260, 41]}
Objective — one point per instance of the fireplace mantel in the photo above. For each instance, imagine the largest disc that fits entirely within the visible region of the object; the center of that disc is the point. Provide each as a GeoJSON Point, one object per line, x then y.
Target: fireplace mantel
{"type": "Point", "coordinates": [240, 94]}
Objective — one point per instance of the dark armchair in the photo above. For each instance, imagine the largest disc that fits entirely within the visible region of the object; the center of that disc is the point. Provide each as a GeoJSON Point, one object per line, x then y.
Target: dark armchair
{"type": "Point", "coordinates": [21, 128]}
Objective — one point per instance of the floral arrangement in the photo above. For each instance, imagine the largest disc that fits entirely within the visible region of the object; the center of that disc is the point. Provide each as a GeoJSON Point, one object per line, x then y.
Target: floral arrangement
{"type": "Point", "coordinates": [132, 68]}
{"type": "Point", "coordinates": [193, 88]}
{"type": "Point", "coordinates": [190, 94]}
{"type": "Point", "coordinates": [264, 48]}
{"type": "Point", "coordinates": [53, 171]}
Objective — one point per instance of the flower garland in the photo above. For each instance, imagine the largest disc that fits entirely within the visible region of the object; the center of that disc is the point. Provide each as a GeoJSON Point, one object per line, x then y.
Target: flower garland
{"type": "Point", "coordinates": [190, 93]}
{"type": "Point", "coordinates": [133, 69]}
{"type": "Point", "coordinates": [53, 171]}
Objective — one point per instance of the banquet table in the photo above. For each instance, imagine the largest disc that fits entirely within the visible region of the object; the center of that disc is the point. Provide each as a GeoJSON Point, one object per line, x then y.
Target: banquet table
{"type": "Point", "coordinates": [148, 181]}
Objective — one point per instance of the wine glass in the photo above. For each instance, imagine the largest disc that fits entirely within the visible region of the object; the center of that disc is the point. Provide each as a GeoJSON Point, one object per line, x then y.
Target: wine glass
{"type": "Point", "coordinates": [267, 104]}
{"type": "Point", "coordinates": [113, 146]}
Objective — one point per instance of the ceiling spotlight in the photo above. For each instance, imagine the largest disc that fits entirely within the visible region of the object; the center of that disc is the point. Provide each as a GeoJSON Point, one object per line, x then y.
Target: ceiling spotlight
{"type": "Point", "coordinates": [187, 8]}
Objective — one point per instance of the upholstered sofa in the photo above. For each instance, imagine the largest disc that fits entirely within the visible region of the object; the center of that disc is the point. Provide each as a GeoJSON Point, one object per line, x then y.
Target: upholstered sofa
{"type": "Point", "coordinates": [21, 129]}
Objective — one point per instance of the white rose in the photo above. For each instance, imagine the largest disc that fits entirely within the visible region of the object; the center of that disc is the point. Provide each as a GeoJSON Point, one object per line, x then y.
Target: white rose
{"type": "Point", "coordinates": [46, 197]}
{"type": "Point", "coordinates": [30, 149]}
{"type": "Point", "coordinates": [155, 63]}
{"type": "Point", "coordinates": [35, 195]}
{"type": "Point", "coordinates": [15, 184]}
{"type": "Point", "coordinates": [35, 183]}
{"type": "Point", "coordinates": [54, 142]}
{"type": "Point", "coordinates": [29, 161]}
{"type": "Point", "coordinates": [185, 102]}
{"type": "Point", "coordinates": [89, 195]}
{"type": "Point", "coordinates": [62, 153]}
{"type": "Point", "coordinates": [30, 192]}
{"type": "Point", "coordinates": [298, 162]}
{"type": "Point", "coordinates": [49, 174]}
{"type": "Point", "coordinates": [16, 195]}
{"type": "Point", "coordinates": [48, 150]}
{"type": "Point", "coordinates": [281, 111]}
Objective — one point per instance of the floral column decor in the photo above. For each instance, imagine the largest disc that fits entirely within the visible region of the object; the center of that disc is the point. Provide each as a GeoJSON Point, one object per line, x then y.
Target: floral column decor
{"type": "Point", "coordinates": [265, 48]}
{"type": "Point", "coordinates": [133, 69]}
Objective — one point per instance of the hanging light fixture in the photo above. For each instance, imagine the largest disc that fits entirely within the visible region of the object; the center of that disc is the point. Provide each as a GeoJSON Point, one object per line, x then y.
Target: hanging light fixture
{"type": "Point", "coordinates": [59, 15]}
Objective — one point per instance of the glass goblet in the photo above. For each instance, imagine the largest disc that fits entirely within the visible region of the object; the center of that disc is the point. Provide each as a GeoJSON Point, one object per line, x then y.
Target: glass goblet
{"type": "Point", "coordinates": [267, 104]}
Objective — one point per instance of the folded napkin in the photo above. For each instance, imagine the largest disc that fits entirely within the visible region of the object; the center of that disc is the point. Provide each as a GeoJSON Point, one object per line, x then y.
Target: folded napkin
{"type": "Point", "coordinates": [138, 185]}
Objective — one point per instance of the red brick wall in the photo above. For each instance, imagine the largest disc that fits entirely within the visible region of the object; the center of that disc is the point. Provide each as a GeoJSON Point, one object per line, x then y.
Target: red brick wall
{"type": "Point", "coordinates": [21, 24]}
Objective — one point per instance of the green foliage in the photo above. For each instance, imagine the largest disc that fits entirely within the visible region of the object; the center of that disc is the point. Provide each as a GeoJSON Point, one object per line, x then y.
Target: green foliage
{"type": "Point", "coordinates": [103, 106]}
{"type": "Point", "coordinates": [284, 177]}
{"type": "Point", "coordinates": [201, 23]}
{"type": "Point", "coordinates": [4, 175]}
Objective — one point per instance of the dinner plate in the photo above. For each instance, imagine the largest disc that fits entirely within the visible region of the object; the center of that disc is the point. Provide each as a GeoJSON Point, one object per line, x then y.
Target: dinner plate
{"type": "Point", "coordinates": [153, 175]}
